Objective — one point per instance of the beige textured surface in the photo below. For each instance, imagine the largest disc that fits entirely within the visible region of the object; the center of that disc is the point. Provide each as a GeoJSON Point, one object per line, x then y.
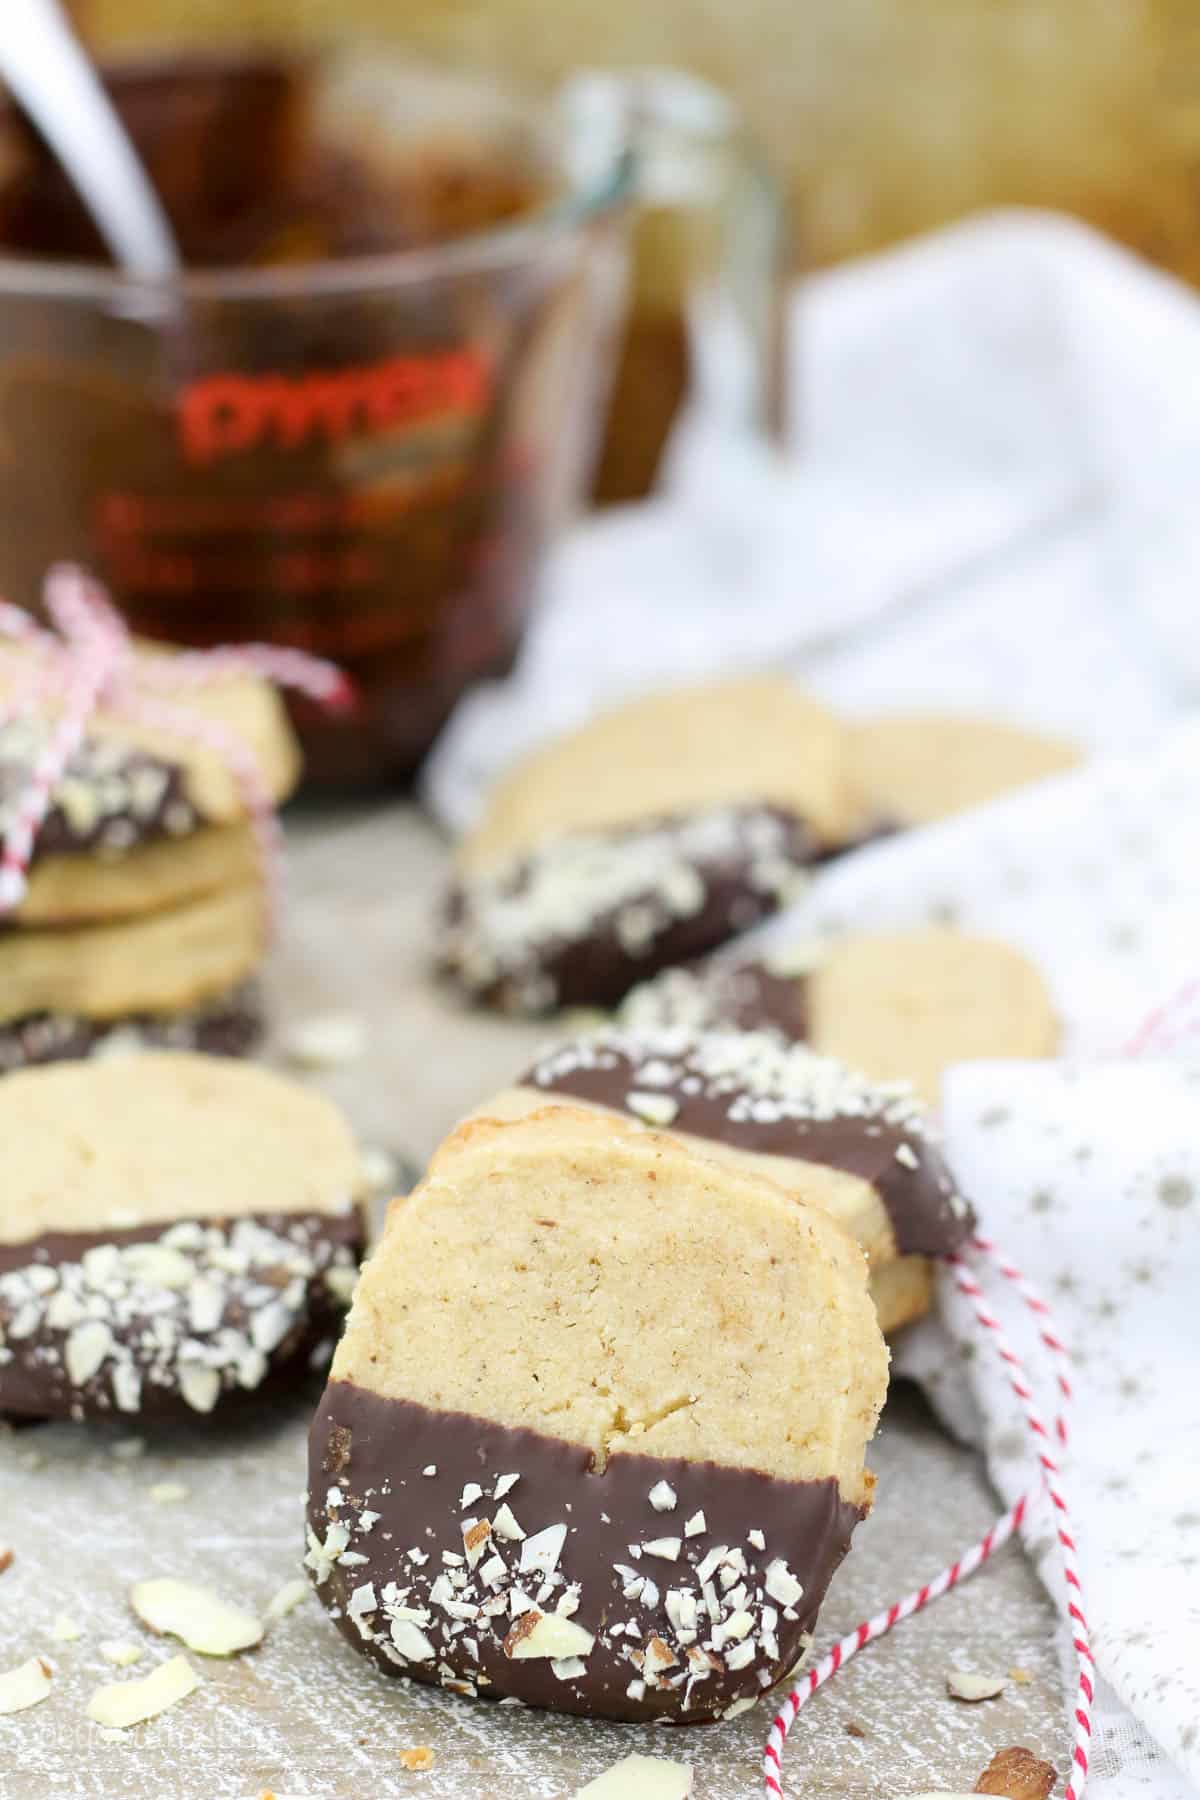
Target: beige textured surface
{"type": "Point", "coordinates": [68, 890]}
{"type": "Point", "coordinates": [304, 1715]}
{"type": "Point", "coordinates": [162, 963]}
{"type": "Point", "coordinates": [674, 751]}
{"type": "Point", "coordinates": [165, 1135]}
{"type": "Point", "coordinates": [537, 1273]}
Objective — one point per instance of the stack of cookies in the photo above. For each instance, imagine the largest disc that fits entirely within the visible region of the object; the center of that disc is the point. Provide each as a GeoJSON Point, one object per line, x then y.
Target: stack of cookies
{"type": "Point", "coordinates": [594, 1437]}
{"type": "Point", "coordinates": [144, 917]}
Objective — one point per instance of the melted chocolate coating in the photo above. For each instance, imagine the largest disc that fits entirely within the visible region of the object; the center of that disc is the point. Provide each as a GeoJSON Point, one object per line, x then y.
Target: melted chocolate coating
{"type": "Point", "coordinates": [34, 1379]}
{"type": "Point", "coordinates": [373, 1450]}
{"type": "Point", "coordinates": [915, 1187]}
{"type": "Point", "coordinates": [596, 963]}
{"type": "Point", "coordinates": [123, 796]}
{"type": "Point", "coordinates": [229, 1027]}
{"type": "Point", "coordinates": [721, 995]}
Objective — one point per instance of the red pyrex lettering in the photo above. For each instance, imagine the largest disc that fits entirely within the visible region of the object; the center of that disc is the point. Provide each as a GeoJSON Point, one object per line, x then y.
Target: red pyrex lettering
{"type": "Point", "coordinates": [228, 415]}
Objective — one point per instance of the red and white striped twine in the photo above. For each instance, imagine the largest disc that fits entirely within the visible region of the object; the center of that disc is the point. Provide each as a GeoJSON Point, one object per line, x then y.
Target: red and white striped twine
{"type": "Point", "coordinates": [1175, 1023]}
{"type": "Point", "coordinates": [88, 661]}
{"type": "Point", "coordinates": [1050, 1483]}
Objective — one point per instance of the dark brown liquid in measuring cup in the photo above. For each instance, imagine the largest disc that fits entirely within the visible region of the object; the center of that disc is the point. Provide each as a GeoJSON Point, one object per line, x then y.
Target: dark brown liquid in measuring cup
{"type": "Point", "coordinates": [355, 467]}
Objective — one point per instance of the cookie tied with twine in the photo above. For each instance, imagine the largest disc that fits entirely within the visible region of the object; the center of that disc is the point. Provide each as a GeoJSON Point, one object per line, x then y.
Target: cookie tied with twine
{"type": "Point", "coordinates": [107, 744]}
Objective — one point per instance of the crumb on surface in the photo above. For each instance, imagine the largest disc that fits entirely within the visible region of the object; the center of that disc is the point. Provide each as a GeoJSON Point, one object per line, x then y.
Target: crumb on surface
{"type": "Point", "coordinates": [418, 1758]}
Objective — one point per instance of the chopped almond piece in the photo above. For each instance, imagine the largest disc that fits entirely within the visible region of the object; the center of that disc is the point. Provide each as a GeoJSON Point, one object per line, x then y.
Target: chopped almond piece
{"type": "Point", "coordinates": [420, 1757]}
{"type": "Point", "coordinates": [1018, 1774]}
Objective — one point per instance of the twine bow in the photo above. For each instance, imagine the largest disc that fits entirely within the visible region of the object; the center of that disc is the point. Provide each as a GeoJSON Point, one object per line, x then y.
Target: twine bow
{"type": "Point", "coordinates": [88, 661]}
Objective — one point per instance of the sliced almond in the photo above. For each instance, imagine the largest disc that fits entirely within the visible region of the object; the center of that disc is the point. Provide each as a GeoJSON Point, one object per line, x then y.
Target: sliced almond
{"type": "Point", "coordinates": [125, 1703]}
{"type": "Point", "coordinates": [120, 1654]}
{"type": "Point", "coordinates": [25, 1685]}
{"type": "Point", "coordinates": [641, 1778]}
{"type": "Point", "coordinates": [85, 1350]}
{"type": "Point", "coordinates": [199, 1386]}
{"type": "Point", "coordinates": [200, 1618]}
{"type": "Point", "coordinates": [960, 1685]}
{"type": "Point", "coordinates": [547, 1634]}
{"type": "Point", "coordinates": [287, 1598]}
{"type": "Point", "coordinates": [1019, 1774]}
{"type": "Point", "coordinates": [64, 1629]}
{"type": "Point", "coordinates": [157, 1265]}
{"type": "Point", "coordinates": [6, 1558]}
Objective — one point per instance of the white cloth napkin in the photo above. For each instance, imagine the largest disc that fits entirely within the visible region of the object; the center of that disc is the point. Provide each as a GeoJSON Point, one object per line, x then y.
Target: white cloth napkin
{"type": "Point", "coordinates": [989, 502]}
{"type": "Point", "coordinates": [1090, 1177]}
{"type": "Point", "coordinates": [1087, 1173]}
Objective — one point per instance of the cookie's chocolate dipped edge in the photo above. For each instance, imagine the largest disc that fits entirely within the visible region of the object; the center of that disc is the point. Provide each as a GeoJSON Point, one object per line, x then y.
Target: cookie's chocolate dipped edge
{"type": "Point", "coordinates": [409, 1466]}
{"type": "Point", "coordinates": [33, 1379]}
{"type": "Point", "coordinates": [594, 967]}
{"type": "Point", "coordinates": [230, 1027]}
{"type": "Point", "coordinates": [917, 1199]}
{"type": "Point", "coordinates": [146, 798]}
{"type": "Point", "coordinates": [727, 996]}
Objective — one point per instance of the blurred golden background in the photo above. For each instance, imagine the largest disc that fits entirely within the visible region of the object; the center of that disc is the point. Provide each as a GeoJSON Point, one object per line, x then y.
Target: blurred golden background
{"type": "Point", "coordinates": [884, 117]}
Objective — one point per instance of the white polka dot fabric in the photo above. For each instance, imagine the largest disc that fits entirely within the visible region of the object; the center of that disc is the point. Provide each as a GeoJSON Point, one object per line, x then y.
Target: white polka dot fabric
{"type": "Point", "coordinates": [1087, 1173]}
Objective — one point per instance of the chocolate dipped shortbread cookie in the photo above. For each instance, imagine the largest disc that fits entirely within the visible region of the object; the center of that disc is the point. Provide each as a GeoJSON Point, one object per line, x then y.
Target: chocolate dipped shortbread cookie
{"type": "Point", "coordinates": [650, 835]}
{"type": "Point", "coordinates": [898, 1005]}
{"type": "Point", "coordinates": [582, 919]}
{"type": "Point", "coordinates": [176, 1232]}
{"type": "Point", "coordinates": [594, 1435]}
{"type": "Point", "coordinates": [864, 1151]}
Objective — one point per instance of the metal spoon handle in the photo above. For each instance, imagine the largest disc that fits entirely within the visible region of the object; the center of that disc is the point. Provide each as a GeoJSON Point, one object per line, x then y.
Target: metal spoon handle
{"type": "Point", "coordinates": [51, 76]}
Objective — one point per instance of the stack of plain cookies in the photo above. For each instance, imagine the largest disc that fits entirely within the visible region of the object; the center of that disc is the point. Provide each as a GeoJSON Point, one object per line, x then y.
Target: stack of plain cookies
{"type": "Point", "coordinates": [145, 914]}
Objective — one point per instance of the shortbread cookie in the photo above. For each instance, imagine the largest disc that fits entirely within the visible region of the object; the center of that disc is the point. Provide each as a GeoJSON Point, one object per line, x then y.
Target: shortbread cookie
{"type": "Point", "coordinates": [864, 1151]}
{"type": "Point", "coordinates": [911, 768]}
{"type": "Point", "coordinates": [174, 1231]}
{"type": "Point", "coordinates": [756, 740]}
{"type": "Point", "coordinates": [166, 962]}
{"type": "Point", "coordinates": [899, 1005]}
{"type": "Point", "coordinates": [230, 1025]}
{"type": "Point", "coordinates": [902, 1291]}
{"type": "Point", "coordinates": [581, 919]}
{"type": "Point", "coordinates": [153, 876]}
{"type": "Point", "coordinates": [594, 1435]}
